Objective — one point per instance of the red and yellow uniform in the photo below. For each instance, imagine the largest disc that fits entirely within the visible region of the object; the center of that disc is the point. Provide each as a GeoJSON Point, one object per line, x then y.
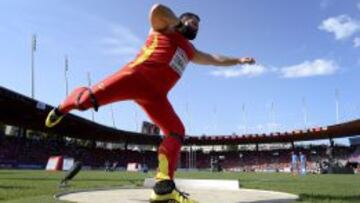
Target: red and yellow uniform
{"type": "Point", "coordinates": [147, 81]}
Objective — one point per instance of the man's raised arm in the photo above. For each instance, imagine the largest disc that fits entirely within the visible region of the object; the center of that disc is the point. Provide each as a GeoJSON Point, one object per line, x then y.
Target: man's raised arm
{"type": "Point", "coordinates": [162, 18]}
{"type": "Point", "coordinates": [218, 60]}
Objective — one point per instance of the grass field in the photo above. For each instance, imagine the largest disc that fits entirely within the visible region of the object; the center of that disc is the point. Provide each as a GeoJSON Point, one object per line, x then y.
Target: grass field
{"type": "Point", "coordinates": [23, 186]}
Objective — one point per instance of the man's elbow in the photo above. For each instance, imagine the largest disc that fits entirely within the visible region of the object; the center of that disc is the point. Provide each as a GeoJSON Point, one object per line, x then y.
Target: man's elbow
{"type": "Point", "coordinates": [156, 7]}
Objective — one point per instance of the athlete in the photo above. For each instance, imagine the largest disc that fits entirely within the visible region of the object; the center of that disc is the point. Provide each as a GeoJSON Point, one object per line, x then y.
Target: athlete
{"type": "Point", "coordinates": [147, 80]}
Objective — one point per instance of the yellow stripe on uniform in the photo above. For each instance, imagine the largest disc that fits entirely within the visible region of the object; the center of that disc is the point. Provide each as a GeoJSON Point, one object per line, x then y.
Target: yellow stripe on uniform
{"type": "Point", "coordinates": [146, 53]}
{"type": "Point", "coordinates": [163, 170]}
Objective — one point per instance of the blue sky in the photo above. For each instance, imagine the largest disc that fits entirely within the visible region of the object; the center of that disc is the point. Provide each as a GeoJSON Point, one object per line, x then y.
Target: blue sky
{"type": "Point", "coordinates": [304, 49]}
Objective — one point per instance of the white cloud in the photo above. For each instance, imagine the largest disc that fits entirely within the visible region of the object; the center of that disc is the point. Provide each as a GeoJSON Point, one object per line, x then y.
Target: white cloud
{"type": "Point", "coordinates": [357, 42]}
{"type": "Point", "coordinates": [342, 26]}
{"type": "Point", "coordinates": [317, 67]}
{"type": "Point", "coordinates": [244, 71]}
{"type": "Point", "coordinates": [121, 41]}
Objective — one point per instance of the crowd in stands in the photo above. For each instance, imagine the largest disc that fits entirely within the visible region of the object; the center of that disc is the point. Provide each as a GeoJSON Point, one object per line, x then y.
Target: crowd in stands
{"type": "Point", "coordinates": [16, 150]}
{"type": "Point", "coordinates": [317, 157]}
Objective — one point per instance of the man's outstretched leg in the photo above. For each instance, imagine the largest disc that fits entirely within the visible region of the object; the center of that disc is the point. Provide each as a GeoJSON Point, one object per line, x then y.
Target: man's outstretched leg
{"type": "Point", "coordinates": [80, 99]}
{"type": "Point", "coordinates": [163, 115]}
{"type": "Point", "coordinates": [125, 84]}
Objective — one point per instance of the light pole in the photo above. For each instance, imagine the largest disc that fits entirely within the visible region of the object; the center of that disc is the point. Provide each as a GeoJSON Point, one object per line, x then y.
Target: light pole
{"type": "Point", "coordinates": [304, 112]}
{"type": "Point", "coordinates": [33, 50]}
{"type": "Point", "coordinates": [66, 68]}
{"type": "Point", "coordinates": [272, 117]}
{"type": "Point", "coordinates": [337, 105]}
{"type": "Point", "coordinates": [112, 115]}
{"type": "Point", "coordinates": [244, 118]}
{"type": "Point", "coordinates": [89, 83]}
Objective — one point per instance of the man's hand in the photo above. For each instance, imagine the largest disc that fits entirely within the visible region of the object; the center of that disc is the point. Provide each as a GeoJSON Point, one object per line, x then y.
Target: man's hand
{"type": "Point", "coordinates": [247, 60]}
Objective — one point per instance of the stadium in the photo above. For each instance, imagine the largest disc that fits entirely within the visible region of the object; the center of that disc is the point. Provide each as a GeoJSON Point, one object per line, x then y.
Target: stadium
{"type": "Point", "coordinates": [87, 160]}
{"type": "Point", "coordinates": [35, 151]}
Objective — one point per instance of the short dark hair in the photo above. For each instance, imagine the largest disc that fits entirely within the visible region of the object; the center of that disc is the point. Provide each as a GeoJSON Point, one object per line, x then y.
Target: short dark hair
{"type": "Point", "coordinates": [189, 14]}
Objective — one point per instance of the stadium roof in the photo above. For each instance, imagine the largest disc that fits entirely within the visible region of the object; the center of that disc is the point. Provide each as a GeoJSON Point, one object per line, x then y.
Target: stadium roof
{"type": "Point", "coordinates": [20, 110]}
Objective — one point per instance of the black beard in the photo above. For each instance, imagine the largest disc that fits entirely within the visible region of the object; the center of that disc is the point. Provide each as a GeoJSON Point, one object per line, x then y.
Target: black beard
{"type": "Point", "coordinates": [188, 32]}
{"type": "Point", "coordinates": [190, 35]}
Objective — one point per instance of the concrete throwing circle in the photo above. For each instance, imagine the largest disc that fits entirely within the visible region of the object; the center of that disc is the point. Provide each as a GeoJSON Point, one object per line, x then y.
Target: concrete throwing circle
{"type": "Point", "coordinates": [203, 196]}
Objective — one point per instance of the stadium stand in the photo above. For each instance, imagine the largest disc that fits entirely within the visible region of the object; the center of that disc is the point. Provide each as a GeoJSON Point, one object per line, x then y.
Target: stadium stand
{"type": "Point", "coordinates": [22, 111]}
{"type": "Point", "coordinates": [19, 110]}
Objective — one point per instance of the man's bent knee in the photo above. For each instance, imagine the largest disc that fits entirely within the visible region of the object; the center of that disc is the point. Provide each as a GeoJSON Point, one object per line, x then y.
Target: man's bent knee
{"type": "Point", "coordinates": [86, 99]}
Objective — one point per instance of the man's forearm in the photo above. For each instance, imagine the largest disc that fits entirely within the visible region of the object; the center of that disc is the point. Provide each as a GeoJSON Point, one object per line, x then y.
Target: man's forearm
{"type": "Point", "coordinates": [218, 60]}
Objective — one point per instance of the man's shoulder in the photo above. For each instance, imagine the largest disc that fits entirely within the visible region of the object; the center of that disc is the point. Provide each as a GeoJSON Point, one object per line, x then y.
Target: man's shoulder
{"type": "Point", "coordinates": [167, 31]}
